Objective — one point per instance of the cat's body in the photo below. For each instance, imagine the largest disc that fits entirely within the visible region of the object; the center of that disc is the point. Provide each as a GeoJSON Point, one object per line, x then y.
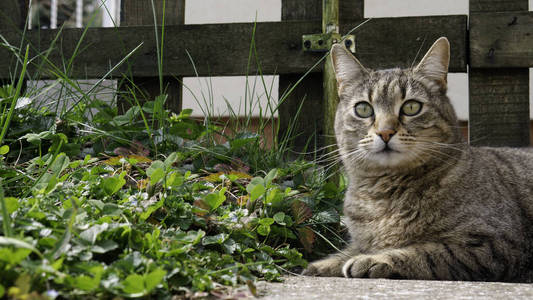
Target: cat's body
{"type": "Point", "coordinates": [421, 204]}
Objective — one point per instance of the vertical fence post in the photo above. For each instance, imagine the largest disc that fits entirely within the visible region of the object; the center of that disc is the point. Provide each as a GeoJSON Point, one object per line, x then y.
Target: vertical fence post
{"type": "Point", "coordinates": [330, 24]}
{"type": "Point", "coordinates": [138, 13]}
{"type": "Point", "coordinates": [499, 98]}
{"type": "Point", "coordinates": [310, 90]}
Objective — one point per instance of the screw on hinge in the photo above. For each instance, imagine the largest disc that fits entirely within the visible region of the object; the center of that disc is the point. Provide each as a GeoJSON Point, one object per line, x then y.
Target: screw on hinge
{"type": "Point", "coordinates": [348, 43]}
{"type": "Point", "coordinates": [307, 44]}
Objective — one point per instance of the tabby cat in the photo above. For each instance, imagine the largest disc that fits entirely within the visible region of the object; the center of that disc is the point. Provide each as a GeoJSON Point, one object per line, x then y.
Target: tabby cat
{"type": "Point", "coordinates": [421, 203]}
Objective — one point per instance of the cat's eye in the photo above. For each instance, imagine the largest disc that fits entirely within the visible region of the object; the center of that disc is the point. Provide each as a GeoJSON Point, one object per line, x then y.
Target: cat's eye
{"type": "Point", "coordinates": [411, 108]}
{"type": "Point", "coordinates": [364, 110]}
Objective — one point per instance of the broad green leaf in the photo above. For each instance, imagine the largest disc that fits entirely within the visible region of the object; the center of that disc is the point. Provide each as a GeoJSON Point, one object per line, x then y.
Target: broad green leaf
{"type": "Point", "coordinates": [214, 200]}
{"type": "Point", "coordinates": [156, 175]}
{"type": "Point", "coordinates": [92, 233]}
{"type": "Point", "coordinates": [257, 192]}
{"type": "Point", "coordinates": [13, 256]}
{"type": "Point", "coordinates": [172, 158]}
{"type": "Point", "coordinates": [87, 283]}
{"type": "Point", "coordinates": [280, 218]}
{"type": "Point", "coordinates": [12, 204]}
{"type": "Point", "coordinates": [7, 241]}
{"type": "Point", "coordinates": [2, 291]}
{"type": "Point", "coordinates": [263, 230]}
{"type": "Point", "coordinates": [156, 164]}
{"type": "Point", "coordinates": [327, 216]}
{"type": "Point", "coordinates": [214, 239]}
{"type": "Point", "coordinates": [270, 177]}
{"type": "Point", "coordinates": [4, 150]}
{"type": "Point", "coordinates": [60, 164]}
{"type": "Point", "coordinates": [113, 184]}
{"type": "Point", "coordinates": [266, 221]}
{"type": "Point", "coordinates": [133, 284]}
{"type": "Point", "coordinates": [255, 181]}
{"type": "Point", "coordinates": [175, 179]}
{"type": "Point", "coordinates": [148, 212]}
{"type": "Point", "coordinates": [152, 279]}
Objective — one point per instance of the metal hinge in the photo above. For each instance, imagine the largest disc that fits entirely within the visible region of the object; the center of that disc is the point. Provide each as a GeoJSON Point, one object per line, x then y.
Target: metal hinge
{"type": "Point", "coordinates": [322, 42]}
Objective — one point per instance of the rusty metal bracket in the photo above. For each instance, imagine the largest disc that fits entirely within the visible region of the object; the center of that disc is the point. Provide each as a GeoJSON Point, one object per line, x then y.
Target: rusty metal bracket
{"type": "Point", "coordinates": [322, 42]}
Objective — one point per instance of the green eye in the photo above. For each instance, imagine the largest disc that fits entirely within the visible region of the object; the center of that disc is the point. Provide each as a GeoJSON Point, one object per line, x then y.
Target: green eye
{"type": "Point", "coordinates": [411, 107]}
{"type": "Point", "coordinates": [364, 110]}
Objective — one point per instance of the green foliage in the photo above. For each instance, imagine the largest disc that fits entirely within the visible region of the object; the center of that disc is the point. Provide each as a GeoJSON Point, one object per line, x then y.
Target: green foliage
{"type": "Point", "coordinates": [99, 203]}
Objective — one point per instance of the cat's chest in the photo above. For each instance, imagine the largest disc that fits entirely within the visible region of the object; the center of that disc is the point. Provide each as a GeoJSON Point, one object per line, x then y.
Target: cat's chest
{"type": "Point", "coordinates": [390, 216]}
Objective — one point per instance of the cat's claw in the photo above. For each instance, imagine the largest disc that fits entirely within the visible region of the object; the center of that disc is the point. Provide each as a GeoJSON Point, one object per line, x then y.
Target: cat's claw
{"type": "Point", "coordinates": [329, 267]}
{"type": "Point", "coordinates": [368, 266]}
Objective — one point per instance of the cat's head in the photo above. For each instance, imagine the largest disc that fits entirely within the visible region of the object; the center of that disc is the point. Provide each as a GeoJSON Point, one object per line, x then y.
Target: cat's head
{"type": "Point", "coordinates": [395, 118]}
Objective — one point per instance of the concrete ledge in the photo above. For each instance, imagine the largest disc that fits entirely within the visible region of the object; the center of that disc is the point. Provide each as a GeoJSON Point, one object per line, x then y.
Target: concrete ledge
{"type": "Point", "coordinates": [303, 287]}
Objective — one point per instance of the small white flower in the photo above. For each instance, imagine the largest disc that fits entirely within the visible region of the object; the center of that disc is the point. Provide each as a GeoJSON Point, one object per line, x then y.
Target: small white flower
{"type": "Point", "coordinates": [22, 101]}
{"type": "Point", "coordinates": [52, 294]}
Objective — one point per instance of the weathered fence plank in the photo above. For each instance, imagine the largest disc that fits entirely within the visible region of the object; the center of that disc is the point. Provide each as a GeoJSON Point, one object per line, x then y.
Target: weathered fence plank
{"type": "Point", "coordinates": [503, 39]}
{"type": "Point", "coordinates": [222, 49]}
{"type": "Point", "coordinates": [13, 13]}
{"type": "Point", "coordinates": [141, 12]}
{"type": "Point", "coordinates": [497, 5]}
{"type": "Point", "coordinates": [499, 98]}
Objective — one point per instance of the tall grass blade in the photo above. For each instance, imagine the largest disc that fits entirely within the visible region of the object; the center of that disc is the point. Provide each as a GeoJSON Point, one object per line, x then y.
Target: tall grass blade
{"type": "Point", "coordinates": [15, 96]}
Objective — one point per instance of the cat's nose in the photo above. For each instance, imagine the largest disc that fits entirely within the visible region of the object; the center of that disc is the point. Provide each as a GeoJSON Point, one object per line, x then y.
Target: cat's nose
{"type": "Point", "coordinates": [386, 134]}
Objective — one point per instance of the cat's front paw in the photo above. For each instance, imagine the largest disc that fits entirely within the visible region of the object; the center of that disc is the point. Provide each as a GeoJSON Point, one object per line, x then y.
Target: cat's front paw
{"type": "Point", "coordinates": [329, 267]}
{"type": "Point", "coordinates": [369, 266]}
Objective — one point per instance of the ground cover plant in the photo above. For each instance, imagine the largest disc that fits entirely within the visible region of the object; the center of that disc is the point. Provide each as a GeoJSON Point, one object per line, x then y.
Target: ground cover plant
{"type": "Point", "coordinates": [99, 203]}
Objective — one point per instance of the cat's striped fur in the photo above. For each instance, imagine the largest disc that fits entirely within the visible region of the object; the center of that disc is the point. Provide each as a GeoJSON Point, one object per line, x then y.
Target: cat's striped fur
{"type": "Point", "coordinates": [421, 204]}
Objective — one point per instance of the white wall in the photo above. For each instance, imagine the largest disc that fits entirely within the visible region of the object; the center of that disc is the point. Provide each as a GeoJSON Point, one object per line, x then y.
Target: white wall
{"type": "Point", "coordinates": [232, 88]}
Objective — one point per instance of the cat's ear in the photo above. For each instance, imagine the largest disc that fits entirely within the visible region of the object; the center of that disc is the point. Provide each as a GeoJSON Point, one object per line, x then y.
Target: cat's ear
{"type": "Point", "coordinates": [347, 67]}
{"type": "Point", "coordinates": [435, 63]}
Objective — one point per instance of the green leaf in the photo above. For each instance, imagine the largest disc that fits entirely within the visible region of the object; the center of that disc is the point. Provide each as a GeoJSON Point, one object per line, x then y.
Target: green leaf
{"type": "Point", "coordinates": [263, 230]}
{"type": "Point", "coordinates": [87, 283]}
{"type": "Point", "coordinates": [60, 164]}
{"type": "Point", "coordinates": [12, 204]}
{"type": "Point", "coordinates": [92, 233]}
{"type": "Point", "coordinates": [7, 241]}
{"type": "Point", "coordinates": [270, 177]}
{"type": "Point", "coordinates": [327, 216]}
{"type": "Point", "coordinates": [35, 138]}
{"type": "Point", "coordinates": [152, 279]}
{"type": "Point", "coordinates": [133, 284]}
{"type": "Point", "coordinates": [171, 159]}
{"type": "Point", "coordinates": [214, 239]}
{"type": "Point", "coordinates": [280, 218]}
{"type": "Point", "coordinates": [214, 200]}
{"type": "Point", "coordinates": [255, 181]}
{"type": "Point", "coordinates": [2, 291]}
{"type": "Point", "coordinates": [148, 212]}
{"type": "Point", "coordinates": [113, 184]}
{"type": "Point", "coordinates": [266, 221]}
{"type": "Point", "coordinates": [156, 176]}
{"type": "Point", "coordinates": [257, 192]}
{"type": "Point", "coordinates": [175, 179]}
{"type": "Point", "coordinates": [3, 151]}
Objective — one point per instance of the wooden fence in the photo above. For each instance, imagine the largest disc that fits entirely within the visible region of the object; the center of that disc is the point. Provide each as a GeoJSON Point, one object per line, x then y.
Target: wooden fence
{"type": "Point", "coordinates": [495, 43]}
